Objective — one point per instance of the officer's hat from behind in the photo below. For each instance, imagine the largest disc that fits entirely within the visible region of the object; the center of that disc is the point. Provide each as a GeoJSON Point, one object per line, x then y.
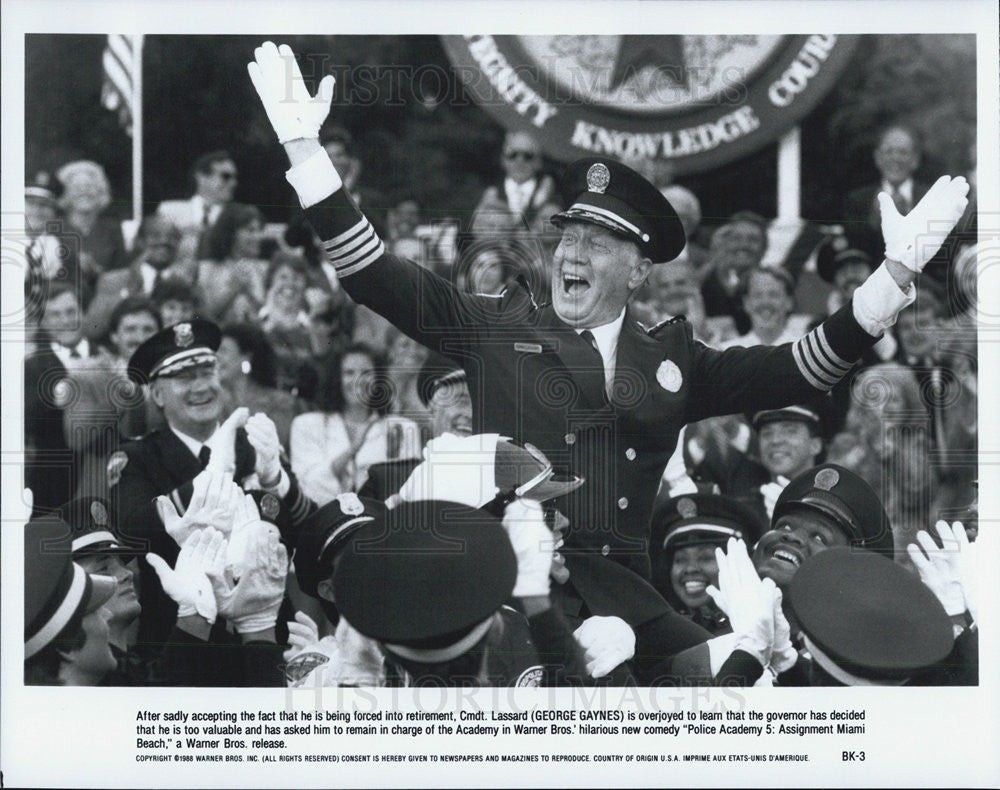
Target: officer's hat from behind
{"type": "Point", "coordinates": [846, 498]}
{"type": "Point", "coordinates": [436, 372]}
{"type": "Point", "coordinates": [807, 414]}
{"type": "Point", "coordinates": [174, 349]}
{"type": "Point", "coordinates": [426, 580]}
{"type": "Point", "coordinates": [325, 532]}
{"type": "Point", "coordinates": [866, 620]}
{"type": "Point", "coordinates": [58, 593]}
{"type": "Point", "coordinates": [92, 529]}
{"type": "Point", "coordinates": [605, 192]}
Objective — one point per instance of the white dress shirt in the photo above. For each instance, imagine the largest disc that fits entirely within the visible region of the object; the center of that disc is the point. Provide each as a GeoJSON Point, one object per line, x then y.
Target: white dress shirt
{"type": "Point", "coordinates": [519, 195]}
{"type": "Point", "coordinates": [606, 338]}
{"type": "Point", "coordinates": [65, 353]}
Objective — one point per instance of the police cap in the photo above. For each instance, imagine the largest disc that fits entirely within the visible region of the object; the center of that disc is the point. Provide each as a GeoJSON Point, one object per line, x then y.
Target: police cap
{"type": "Point", "coordinates": [174, 349]}
{"type": "Point", "coordinates": [844, 247]}
{"type": "Point", "coordinates": [426, 580]}
{"type": "Point", "coordinates": [92, 527]}
{"type": "Point", "coordinates": [846, 498]}
{"type": "Point", "coordinates": [57, 591]}
{"type": "Point", "coordinates": [866, 619]}
{"type": "Point", "coordinates": [696, 519]}
{"type": "Point", "coordinates": [807, 414]}
{"type": "Point", "coordinates": [437, 371]}
{"type": "Point", "coordinates": [605, 192]}
{"type": "Point", "coordinates": [325, 532]}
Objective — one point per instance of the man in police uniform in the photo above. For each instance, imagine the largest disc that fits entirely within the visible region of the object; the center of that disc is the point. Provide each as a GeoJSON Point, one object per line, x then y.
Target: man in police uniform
{"type": "Point", "coordinates": [179, 365]}
{"type": "Point", "coordinates": [578, 378]}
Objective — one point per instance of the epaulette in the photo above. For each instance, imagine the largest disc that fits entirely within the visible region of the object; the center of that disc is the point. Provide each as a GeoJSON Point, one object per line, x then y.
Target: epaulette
{"type": "Point", "coordinates": [665, 322]}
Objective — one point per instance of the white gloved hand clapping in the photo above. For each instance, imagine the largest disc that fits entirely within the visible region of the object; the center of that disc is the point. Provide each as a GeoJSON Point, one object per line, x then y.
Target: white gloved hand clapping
{"type": "Point", "coordinates": [187, 582]}
{"type": "Point", "coordinates": [533, 547]}
{"type": "Point", "coordinates": [606, 643]}
{"type": "Point", "coordinates": [914, 239]}
{"type": "Point", "coordinates": [251, 604]}
{"type": "Point", "coordinates": [294, 113]}
{"type": "Point", "coordinates": [939, 567]}
{"type": "Point", "coordinates": [746, 599]}
{"type": "Point", "coordinates": [263, 437]}
{"type": "Point", "coordinates": [223, 442]}
{"type": "Point", "coordinates": [213, 502]}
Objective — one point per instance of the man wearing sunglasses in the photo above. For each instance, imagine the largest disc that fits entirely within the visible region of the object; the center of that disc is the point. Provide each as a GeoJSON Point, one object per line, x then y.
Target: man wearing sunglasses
{"type": "Point", "coordinates": [215, 178]}
{"type": "Point", "coordinates": [525, 190]}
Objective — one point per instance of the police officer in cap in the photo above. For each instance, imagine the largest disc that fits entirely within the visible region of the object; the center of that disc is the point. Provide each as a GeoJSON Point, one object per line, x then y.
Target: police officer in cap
{"type": "Point", "coordinates": [180, 368]}
{"type": "Point", "coordinates": [578, 377]}
{"type": "Point", "coordinates": [442, 388]}
{"type": "Point", "coordinates": [824, 507]}
{"type": "Point", "coordinates": [685, 532]}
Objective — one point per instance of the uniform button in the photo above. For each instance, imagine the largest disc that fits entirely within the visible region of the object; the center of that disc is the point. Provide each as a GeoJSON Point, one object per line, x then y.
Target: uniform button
{"type": "Point", "coordinates": [630, 453]}
{"type": "Point", "coordinates": [605, 549]}
{"type": "Point", "coordinates": [570, 438]}
{"type": "Point", "coordinates": [622, 503]}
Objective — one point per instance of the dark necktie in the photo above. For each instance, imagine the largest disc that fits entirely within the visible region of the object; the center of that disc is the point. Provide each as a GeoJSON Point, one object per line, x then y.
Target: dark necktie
{"type": "Point", "coordinates": [205, 216]}
{"type": "Point", "coordinates": [203, 455]}
{"type": "Point", "coordinates": [902, 204]}
{"type": "Point", "coordinates": [597, 360]}
{"type": "Point", "coordinates": [74, 353]}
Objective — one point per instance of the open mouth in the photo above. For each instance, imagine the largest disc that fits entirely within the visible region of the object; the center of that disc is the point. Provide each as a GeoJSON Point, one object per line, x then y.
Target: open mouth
{"type": "Point", "coordinates": [574, 286]}
{"type": "Point", "coordinates": [462, 425]}
{"type": "Point", "coordinates": [695, 586]}
{"type": "Point", "coordinates": [786, 556]}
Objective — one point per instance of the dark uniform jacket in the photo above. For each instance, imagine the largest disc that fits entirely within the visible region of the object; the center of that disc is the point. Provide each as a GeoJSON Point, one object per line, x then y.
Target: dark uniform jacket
{"type": "Point", "coordinates": [161, 464]}
{"type": "Point", "coordinates": [533, 378]}
{"type": "Point", "coordinates": [387, 477]}
{"type": "Point", "coordinates": [50, 465]}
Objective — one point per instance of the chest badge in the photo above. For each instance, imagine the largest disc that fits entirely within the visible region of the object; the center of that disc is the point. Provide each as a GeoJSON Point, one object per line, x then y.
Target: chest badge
{"type": "Point", "coordinates": [669, 376]}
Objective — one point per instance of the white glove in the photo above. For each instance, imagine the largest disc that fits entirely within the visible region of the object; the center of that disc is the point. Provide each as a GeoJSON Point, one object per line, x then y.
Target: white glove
{"type": "Point", "coordinates": [533, 546]}
{"type": "Point", "coordinates": [606, 643]}
{"type": "Point", "coordinates": [938, 568]}
{"type": "Point", "coordinates": [771, 491]}
{"type": "Point", "coordinates": [303, 636]}
{"type": "Point", "coordinates": [223, 442]}
{"type": "Point", "coordinates": [293, 112]}
{"type": "Point", "coordinates": [212, 504]}
{"type": "Point", "coordinates": [783, 655]}
{"type": "Point", "coordinates": [252, 603]}
{"type": "Point", "coordinates": [747, 601]}
{"type": "Point", "coordinates": [263, 437]}
{"type": "Point", "coordinates": [912, 240]}
{"type": "Point", "coordinates": [187, 583]}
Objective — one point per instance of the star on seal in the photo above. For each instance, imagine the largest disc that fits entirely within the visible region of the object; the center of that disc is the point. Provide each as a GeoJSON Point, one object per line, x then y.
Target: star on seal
{"type": "Point", "coordinates": [669, 376]}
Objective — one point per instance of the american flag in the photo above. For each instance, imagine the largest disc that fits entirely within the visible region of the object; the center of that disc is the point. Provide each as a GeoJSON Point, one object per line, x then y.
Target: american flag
{"type": "Point", "coordinates": [117, 89]}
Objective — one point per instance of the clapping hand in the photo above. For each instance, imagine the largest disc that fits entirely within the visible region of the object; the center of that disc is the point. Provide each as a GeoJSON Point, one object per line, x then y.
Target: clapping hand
{"type": "Point", "coordinates": [746, 599]}
{"type": "Point", "coordinates": [914, 239]}
{"type": "Point", "coordinates": [303, 636]}
{"type": "Point", "coordinates": [251, 604]}
{"type": "Point", "coordinates": [533, 546]}
{"type": "Point", "coordinates": [947, 570]}
{"type": "Point", "coordinates": [187, 582]}
{"type": "Point", "coordinates": [214, 503]}
{"type": "Point", "coordinates": [606, 642]}
{"type": "Point", "coordinates": [263, 437]}
{"type": "Point", "coordinates": [223, 442]}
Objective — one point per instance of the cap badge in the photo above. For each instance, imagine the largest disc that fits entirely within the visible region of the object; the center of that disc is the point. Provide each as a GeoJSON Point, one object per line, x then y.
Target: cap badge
{"type": "Point", "coordinates": [826, 479]}
{"type": "Point", "coordinates": [687, 508]}
{"type": "Point", "coordinates": [269, 506]}
{"type": "Point", "coordinates": [598, 178]}
{"type": "Point", "coordinates": [839, 243]}
{"type": "Point", "coordinates": [669, 376]}
{"type": "Point", "coordinates": [183, 335]}
{"type": "Point", "coordinates": [99, 514]}
{"type": "Point", "coordinates": [350, 504]}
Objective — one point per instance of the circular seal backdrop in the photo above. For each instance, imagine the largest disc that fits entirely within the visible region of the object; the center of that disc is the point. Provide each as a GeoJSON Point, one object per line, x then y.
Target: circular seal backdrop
{"type": "Point", "coordinates": [695, 101]}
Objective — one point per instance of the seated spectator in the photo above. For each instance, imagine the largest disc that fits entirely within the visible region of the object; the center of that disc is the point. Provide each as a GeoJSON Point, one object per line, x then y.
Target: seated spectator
{"type": "Point", "coordinates": [686, 531]}
{"type": "Point", "coordinates": [175, 301]}
{"type": "Point", "coordinates": [402, 221]}
{"type": "Point", "coordinates": [214, 175]}
{"type": "Point", "coordinates": [671, 289]}
{"type": "Point", "coordinates": [286, 324]}
{"type": "Point", "coordinates": [516, 203]}
{"type": "Point", "coordinates": [897, 157]}
{"type": "Point", "coordinates": [886, 441]}
{"type": "Point", "coordinates": [248, 372]}
{"type": "Point", "coordinates": [50, 467]}
{"type": "Point", "coordinates": [233, 264]}
{"type": "Point", "coordinates": [332, 449]}
{"type": "Point", "coordinates": [133, 321]}
{"type": "Point", "coordinates": [688, 208]}
{"type": "Point", "coordinates": [86, 195]}
{"type": "Point", "coordinates": [65, 618]}
{"type": "Point", "coordinates": [155, 255]}
{"type": "Point", "coordinates": [736, 247]}
{"type": "Point", "coordinates": [768, 300]}
{"type": "Point", "coordinates": [51, 256]}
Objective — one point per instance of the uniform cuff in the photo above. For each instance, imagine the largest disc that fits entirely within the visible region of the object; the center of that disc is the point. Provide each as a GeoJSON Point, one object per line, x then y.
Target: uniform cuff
{"type": "Point", "coordinates": [878, 300]}
{"type": "Point", "coordinates": [280, 489]}
{"type": "Point", "coordinates": [314, 179]}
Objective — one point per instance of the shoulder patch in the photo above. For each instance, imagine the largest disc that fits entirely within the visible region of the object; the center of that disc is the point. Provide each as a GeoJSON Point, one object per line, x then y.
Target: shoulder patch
{"type": "Point", "coordinates": [116, 464]}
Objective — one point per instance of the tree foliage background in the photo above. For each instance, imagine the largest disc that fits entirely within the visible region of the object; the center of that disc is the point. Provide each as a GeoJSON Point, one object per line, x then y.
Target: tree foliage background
{"type": "Point", "coordinates": [418, 132]}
